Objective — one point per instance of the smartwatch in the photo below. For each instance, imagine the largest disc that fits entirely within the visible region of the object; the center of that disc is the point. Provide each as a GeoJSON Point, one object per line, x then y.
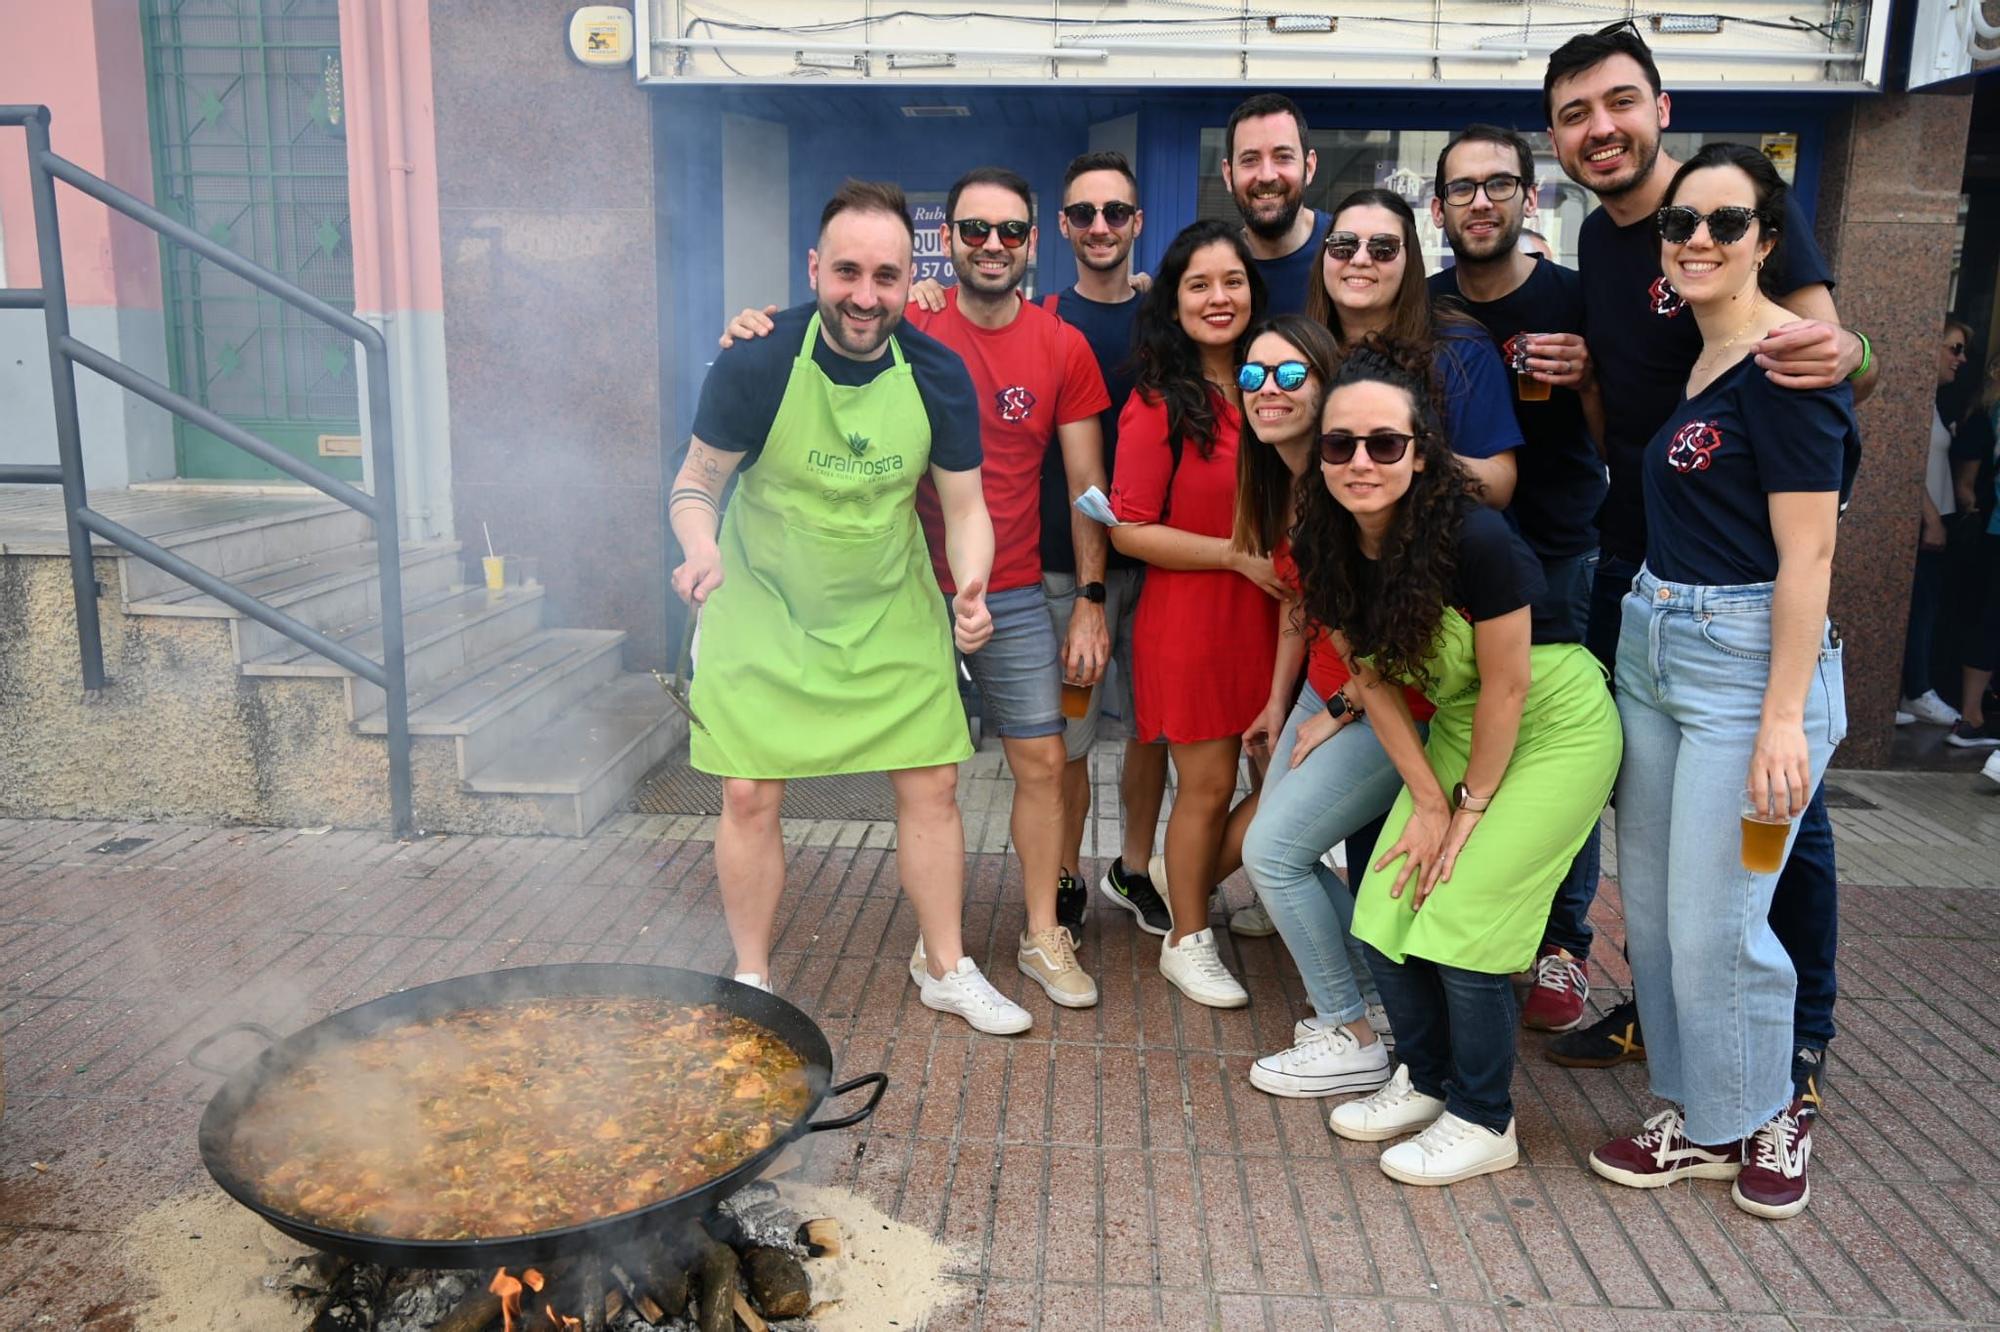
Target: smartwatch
{"type": "Point", "coordinates": [1091, 592]}
{"type": "Point", "coordinates": [1462, 798]}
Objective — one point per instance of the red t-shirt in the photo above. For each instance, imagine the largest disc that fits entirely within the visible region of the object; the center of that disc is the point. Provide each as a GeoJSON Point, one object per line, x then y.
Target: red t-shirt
{"type": "Point", "coordinates": [1205, 640]}
{"type": "Point", "coordinates": [1032, 376]}
{"type": "Point", "coordinates": [1325, 671]}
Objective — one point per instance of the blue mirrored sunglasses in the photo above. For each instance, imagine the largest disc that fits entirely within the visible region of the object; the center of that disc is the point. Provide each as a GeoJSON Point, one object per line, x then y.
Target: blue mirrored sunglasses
{"type": "Point", "coordinates": [1289, 374]}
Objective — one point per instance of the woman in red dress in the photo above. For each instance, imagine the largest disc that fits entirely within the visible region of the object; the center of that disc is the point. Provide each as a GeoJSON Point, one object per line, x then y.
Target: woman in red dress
{"type": "Point", "coordinates": [1205, 638]}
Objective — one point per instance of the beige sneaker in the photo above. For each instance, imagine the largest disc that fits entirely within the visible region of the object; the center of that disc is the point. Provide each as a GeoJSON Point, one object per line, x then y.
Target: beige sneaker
{"type": "Point", "coordinates": [1049, 960]}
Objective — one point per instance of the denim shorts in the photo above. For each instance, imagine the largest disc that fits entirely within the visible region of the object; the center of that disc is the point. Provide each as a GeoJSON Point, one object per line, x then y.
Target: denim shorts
{"type": "Point", "coordinates": [1019, 671]}
{"type": "Point", "coordinates": [1111, 699]}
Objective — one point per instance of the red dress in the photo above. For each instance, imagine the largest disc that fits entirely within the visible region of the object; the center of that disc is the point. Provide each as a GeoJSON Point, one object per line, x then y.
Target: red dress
{"type": "Point", "coordinates": [1325, 671]}
{"type": "Point", "coordinates": [1205, 641]}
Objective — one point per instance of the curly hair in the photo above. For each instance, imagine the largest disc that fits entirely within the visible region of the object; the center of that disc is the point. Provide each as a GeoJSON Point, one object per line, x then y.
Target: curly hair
{"type": "Point", "coordinates": [1389, 607]}
{"type": "Point", "coordinates": [1166, 362]}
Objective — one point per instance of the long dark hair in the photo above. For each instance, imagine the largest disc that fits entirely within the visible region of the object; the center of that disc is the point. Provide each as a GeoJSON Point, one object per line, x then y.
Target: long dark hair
{"type": "Point", "coordinates": [1388, 607]}
{"type": "Point", "coordinates": [1771, 192]}
{"type": "Point", "coordinates": [1166, 362]}
{"type": "Point", "coordinates": [1263, 482]}
{"type": "Point", "coordinates": [1410, 320]}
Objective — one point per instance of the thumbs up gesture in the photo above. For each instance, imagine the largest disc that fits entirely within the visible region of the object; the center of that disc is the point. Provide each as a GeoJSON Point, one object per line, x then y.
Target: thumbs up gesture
{"type": "Point", "coordinates": [971, 622]}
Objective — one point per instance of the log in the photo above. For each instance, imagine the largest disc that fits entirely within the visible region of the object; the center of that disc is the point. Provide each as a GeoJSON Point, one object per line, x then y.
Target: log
{"type": "Point", "coordinates": [820, 1238]}
{"type": "Point", "coordinates": [355, 1300]}
{"type": "Point", "coordinates": [718, 1278]}
{"type": "Point", "coordinates": [479, 1310]}
{"type": "Point", "coordinates": [640, 1299]}
{"type": "Point", "coordinates": [778, 1282]}
{"type": "Point", "coordinates": [747, 1317]}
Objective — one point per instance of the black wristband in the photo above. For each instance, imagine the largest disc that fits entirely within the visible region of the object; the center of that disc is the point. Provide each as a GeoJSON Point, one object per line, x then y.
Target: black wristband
{"type": "Point", "coordinates": [1091, 592]}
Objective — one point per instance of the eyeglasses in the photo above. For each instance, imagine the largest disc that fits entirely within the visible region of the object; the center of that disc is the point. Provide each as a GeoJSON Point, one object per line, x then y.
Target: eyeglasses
{"type": "Point", "coordinates": [1384, 447]}
{"type": "Point", "coordinates": [1726, 226]}
{"type": "Point", "coordinates": [1499, 189]}
{"type": "Point", "coordinates": [1116, 214]}
{"type": "Point", "coordinates": [974, 231]}
{"type": "Point", "coordinates": [1289, 374]}
{"type": "Point", "coordinates": [678, 685]}
{"type": "Point", "coordinates": [1344, 245]}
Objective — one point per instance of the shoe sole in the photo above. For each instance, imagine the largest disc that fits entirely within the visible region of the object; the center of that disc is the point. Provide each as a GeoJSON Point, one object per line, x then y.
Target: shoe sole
{"type": "Point", "coordinates": [1305, 1089]}
{"type": "Point", "coordinates": [1252, 934]}
{"type": "Point", "coordinates": [1529, 1024]}
{"type": "Point", "coordinates": [1232, 1002]}
{"type": "Point", "coordinates": [1055, 997]}
{"type": "Point", "coordinates": [1765, 1210]}
{"type": "Point", "coordinates": [1981, 743]}
{"type": "Point", "coordinates": [1119, 899]}
{"type": "Point", "coordinates": [1383, 1134]}
{"type": "Point", "coordinates": [1507, 1162]}
{"type": "Point", "coordinates": [1009, 1030]}
{"type": "Point", "coordinates": [1592, 1061]}
{"type": "Point", "coordinates": [1633, 1180]}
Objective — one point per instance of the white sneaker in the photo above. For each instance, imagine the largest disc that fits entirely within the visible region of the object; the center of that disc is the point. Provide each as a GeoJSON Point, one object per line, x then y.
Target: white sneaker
{"type": "Point", "coordinates": [963, 991]}
{"type": "Point", "coordinates": [1378, 1022]}
{"type": "Point", "coordinates": [1326, 1063]}
{"type": "Point", "coordinates": [1992, 768]}
{"type": "Point", "coordinates": [1904, 718]}
{"type": "Point", "coordinates": [1450, 1150]}
{"type": "Point", "coordinates": [1196, 970]}
{"type": "Point", "coordinates": [753, 980]}
{"type": "Point", "coordinates": [1928, 707]}
{"type": "Point", "coordinates": [1397, 1109]}
{"type": "Point", "coordinates": [1252, 922]}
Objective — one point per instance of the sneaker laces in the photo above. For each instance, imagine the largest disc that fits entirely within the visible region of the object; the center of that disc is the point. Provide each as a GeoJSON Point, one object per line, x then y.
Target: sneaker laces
{"type": "Point", "coordinates": [1393, 1093]}
{"type": "Point", "coordinates": [1558, 972]}
{"type": "Point", "coordinates": [1319, 1042]}
{"type": "Point", "coordinates": [1659, 1134]}
{"type": "Point", "coordinates": [1201, 954]}
{"type": "Point", "coordinates": [973, 986]}
{"type": "Point", "coordinates": [1444, 1133]}
{"type": "Point", "coordinates": [1056, 946]}
{"type": "Point", "coordinates": [1778, 1146]}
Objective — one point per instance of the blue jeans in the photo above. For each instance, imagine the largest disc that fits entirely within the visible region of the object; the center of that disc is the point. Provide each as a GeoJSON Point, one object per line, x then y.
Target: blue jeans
{"type": "Point", "coordinates": [1805, 915]}
{"type": "Point", "coordinates": [1715, 987]}
{"type": "Point", "coordinates": [1570, 604]}
{"type": "Point", "coordinates": [1342, 785]}
{"type": "Point", "coordinates": [1454, 1032]}
{"type": "Point", "coordinates": [1926, 591]}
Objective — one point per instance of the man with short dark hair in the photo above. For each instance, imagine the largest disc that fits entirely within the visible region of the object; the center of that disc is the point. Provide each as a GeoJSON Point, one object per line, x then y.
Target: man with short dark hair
{"type": "Point", "coordinates": [1267, 162]}
{"type": "Point", "coordinates": [1483, 194]}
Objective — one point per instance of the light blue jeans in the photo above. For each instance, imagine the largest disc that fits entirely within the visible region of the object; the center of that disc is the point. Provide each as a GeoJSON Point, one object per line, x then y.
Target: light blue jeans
{"type": "Point", "coordinates": [1715, 986]}
{"type": "Point", "coordinates": [1343, 784]}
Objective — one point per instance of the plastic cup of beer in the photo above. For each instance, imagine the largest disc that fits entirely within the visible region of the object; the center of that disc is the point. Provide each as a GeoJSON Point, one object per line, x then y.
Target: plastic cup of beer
{"type": "Point", "coordinates": [1076, 700]}
{"type": "Point", "coordinates": [1526, 387]}
{"type": "Point", "coordinates": [1764, 835]}
{"type": "Point", "coordinates": [495, 567]}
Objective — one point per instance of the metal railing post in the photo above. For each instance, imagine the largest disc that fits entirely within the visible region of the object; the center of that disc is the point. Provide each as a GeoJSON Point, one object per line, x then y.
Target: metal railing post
{"type": "Point", "coordinates": [62, 380]}
{"type": "Point", "coordinates": [388, 538]}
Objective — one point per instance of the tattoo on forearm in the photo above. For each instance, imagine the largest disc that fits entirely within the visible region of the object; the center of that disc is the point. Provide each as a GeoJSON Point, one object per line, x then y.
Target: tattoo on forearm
{"type": "Point", "coordinates": [692, 493]}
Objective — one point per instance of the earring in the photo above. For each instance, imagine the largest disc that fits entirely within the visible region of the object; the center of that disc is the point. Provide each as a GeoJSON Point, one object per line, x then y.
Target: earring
{"type": "Point", "coordinates": [1759, 265]}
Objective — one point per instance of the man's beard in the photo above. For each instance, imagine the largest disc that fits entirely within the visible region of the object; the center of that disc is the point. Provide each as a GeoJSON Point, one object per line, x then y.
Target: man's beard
{"type": "Point", "coordinates": [832, 319]}
{"type": "Point", "coordinates": [1119, 254]}
{"type": "Point", "coordinates": [1644, 155]}
{"type": "Point", "coordinates": [986, 284]}
{"type": "Point", "coordinates": [1272, 228]}
{"type": "Point", "coordinates": [1502, 242]}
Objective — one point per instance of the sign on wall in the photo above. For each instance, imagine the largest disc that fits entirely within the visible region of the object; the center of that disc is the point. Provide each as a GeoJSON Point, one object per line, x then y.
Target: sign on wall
{"type": "Point", "coordinates": [1954, 38]}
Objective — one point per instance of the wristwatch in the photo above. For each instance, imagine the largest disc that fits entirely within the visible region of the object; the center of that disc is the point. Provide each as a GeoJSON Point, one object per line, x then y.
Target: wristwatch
{"type": "Point", "coordinates": [1461, 798]}
{"type": "Point", "coordinates": [1091, 592]}
{"type": "Point", "coordinates": [1340, 706]}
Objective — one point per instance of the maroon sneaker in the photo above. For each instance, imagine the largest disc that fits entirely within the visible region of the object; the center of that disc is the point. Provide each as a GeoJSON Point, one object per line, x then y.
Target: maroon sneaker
{"type": "Point", "coordinates": [1562, 985]}
{"type": "Point", "coordinates": [1660, 1153]}
{"type": "Point", "coordinates": [1773, 1182]}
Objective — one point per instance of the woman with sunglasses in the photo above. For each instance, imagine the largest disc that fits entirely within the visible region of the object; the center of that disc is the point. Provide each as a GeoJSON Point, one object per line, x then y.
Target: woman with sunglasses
{"type": "Point", "coordinates": [1730, 691]}
{"type": "Point", "coordinates": [1207, 624]}
{"type": "Point", "coordinates": [1431, 589]}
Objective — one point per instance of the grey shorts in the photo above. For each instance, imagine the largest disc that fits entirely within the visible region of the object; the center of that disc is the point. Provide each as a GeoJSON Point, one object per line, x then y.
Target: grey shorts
{"type": "Point", "coordinates": [1019, 671]}
{"type": "Point", "coordinates": [1110, 713]}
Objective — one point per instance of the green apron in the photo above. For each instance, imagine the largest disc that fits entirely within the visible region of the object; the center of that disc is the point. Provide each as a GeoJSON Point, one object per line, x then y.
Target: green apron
{"type": "Point", "coordinates": [1490, 916]}
{"type": "Point", "coordinates": [827, 648]}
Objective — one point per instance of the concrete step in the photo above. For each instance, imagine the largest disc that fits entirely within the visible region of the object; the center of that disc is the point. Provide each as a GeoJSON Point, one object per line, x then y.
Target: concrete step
{"type": "Point", "coordinates": [440, 634]}
{"type": "Point", "coordinates": [491, 702]}
{"type": "Point", "coordinates": [583, 763]}
{"type": "Point", "coordinates": [256, 542]}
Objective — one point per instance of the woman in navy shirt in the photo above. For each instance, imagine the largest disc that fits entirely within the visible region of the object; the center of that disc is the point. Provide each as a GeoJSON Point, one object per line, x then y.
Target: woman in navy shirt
{"type": "Point", "coordinates": [1729, 682]}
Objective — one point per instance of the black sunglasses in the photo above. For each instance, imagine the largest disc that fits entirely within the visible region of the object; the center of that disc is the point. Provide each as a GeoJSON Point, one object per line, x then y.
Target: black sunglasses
{"type": "Point", "coordinates": [1337, 447]}
{"type": "Point", "coordinates": [1344, 245]}
{"type": "Point", "coordinates": [1955, 348]}
{"type": "Point", "coordinates": [1290, 374]}
{"type": "Point", "coordinates": [974, 231]}
{"type": "Point", "coordinates": [1726, 226]}
{"type": "Point", "coordinates": [1116, 213]}
{"type": "Point", "coordinates": [1499, 189]}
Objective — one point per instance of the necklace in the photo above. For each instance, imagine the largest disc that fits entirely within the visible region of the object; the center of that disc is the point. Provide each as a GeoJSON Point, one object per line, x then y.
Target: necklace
{"type": "Point", "coordinates": [1708, 357]}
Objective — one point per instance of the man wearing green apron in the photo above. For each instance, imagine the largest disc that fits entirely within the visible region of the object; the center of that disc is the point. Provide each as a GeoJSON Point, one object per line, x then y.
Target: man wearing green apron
{"type": "Point", "coordinates": [825, 647]}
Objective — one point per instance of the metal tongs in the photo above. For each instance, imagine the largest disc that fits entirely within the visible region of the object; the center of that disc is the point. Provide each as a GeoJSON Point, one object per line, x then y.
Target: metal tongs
{"type": "Point", "coordinates": [681, 681]}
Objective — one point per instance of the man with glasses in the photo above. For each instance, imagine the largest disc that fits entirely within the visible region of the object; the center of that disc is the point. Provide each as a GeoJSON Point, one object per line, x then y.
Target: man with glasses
{"type": "Point", "coordinates": [1606, 116]}
{"type": "Point", "coordinates": [1266, 166]}
{"type": "Point", "coordinates": [1533, 309]}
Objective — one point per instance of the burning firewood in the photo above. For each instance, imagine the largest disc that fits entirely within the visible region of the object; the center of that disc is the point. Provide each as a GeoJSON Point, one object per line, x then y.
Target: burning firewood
{"type": "Point", "coordinates": [777, 1282]}
{"type": "Point", "coordinates": [352, 1304]}
{"type": "Point", "coordinates": [748, 1316]}
{"type": "Point", "coordinates": [641, 1299]}
{"type": "Point", "coordinates": [475, 1313]}
{"type": "Point", "coordinates": [820, 1238]}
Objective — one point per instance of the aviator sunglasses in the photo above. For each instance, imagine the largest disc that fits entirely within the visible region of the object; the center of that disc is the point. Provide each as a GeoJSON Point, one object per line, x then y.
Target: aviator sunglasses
{"type": "Point", "coordinates": [974, 231]}
{"type": "Point", "coordinates": [1116, 213]}
{"type": "Point", "coordinates": [1384, 447]}
{"type": "Point", "coordinates": [1726, 226]}
{"type": "Point", "coordinates": [1344, 245]}
{"type": "Point", "coordinates": [1289, 374]}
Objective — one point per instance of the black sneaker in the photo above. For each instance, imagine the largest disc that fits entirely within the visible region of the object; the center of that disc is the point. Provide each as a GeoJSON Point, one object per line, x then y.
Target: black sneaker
{"type": "Point", "coordinates": [1614, 1038]}
{"type": "Point", "coordinates": [1135, 893]}
{"type": "Point", "coordinates": [1809, 1076]}
{"type": "Point", "coordinates": [1072, 907]}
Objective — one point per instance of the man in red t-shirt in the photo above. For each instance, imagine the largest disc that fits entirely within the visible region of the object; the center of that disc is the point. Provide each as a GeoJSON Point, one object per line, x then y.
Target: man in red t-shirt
{"type": "Point", "coordinates": [1038, 383]}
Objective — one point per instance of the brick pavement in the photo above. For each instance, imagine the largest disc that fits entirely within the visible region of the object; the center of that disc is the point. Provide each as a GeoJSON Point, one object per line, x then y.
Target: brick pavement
{"type": "Point", "coordinates": [1113, 1169]}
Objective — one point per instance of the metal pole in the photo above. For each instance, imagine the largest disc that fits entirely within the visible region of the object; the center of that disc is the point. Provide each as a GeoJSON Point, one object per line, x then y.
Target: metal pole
{"type": "Point", "coordinates": [62, 380]}
{"type": "Point", "coordinates": [388, 546]}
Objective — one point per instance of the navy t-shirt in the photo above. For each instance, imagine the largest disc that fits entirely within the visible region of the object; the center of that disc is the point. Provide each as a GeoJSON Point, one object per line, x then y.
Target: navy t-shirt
{"type": "Point", "coordinates": [740, 397]}
{"type": "Point", "coordinates": [1709, 472]}
{"type": "Point", "coordinates": [1478, 422]}
{"type": "Point", "coordinates": [1287, 277]}
{"type": "Point", "coordinates": [1497, 574]}
{"type": "Point", "coordinates": [1644, 341]}
{"type": "Point", "coordinates": [1560, 481]}
{"type": "Point", "coordinates": [1108, 329]}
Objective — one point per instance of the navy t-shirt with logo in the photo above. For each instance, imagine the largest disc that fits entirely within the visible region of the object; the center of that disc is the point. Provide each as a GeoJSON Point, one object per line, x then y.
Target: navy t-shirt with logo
{"type": "Point", "coordinates": [1710, 470]}
{"type": "Point", "coordinates": [1560, 479]}
{"type": "Point", "coordinates": [1644, 341]}
{"type": "Point", "coordinates": [1287, 277]}
{"type": "Point", "coordinates": [1108, 329]}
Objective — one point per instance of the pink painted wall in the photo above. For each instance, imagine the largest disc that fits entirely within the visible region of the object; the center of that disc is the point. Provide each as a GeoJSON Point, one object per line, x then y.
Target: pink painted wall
{"type": "Point", "coordinates": [84, 60]}
{"type": "Point", "coordinates": [385, 53]}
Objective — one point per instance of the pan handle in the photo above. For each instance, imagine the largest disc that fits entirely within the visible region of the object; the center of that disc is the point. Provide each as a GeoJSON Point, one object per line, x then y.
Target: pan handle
{"type": "Point", "coordinates": [270, 1038]}
{"type": "Point", "coordinates": [881, 1081]}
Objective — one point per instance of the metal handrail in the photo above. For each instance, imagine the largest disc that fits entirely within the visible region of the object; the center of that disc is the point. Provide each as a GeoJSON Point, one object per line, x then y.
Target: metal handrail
{"type": "Point", "coordinates": [81, 521]}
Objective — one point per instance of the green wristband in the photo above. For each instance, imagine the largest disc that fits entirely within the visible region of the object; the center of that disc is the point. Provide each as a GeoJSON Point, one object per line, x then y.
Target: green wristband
{"type": "Point", "coordinates": [1867, 355]}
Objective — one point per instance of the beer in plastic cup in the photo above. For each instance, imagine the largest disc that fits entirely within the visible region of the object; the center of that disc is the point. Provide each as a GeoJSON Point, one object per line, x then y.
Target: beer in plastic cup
{"type": "Point", "coordinates": [496, 571]}
{"type": "Point", "coordinates": [1526, 386]}
{"type": "Point", "coordinates": [1763, 837]}
{"type": "Point", "coordinates": [1076, 700]}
